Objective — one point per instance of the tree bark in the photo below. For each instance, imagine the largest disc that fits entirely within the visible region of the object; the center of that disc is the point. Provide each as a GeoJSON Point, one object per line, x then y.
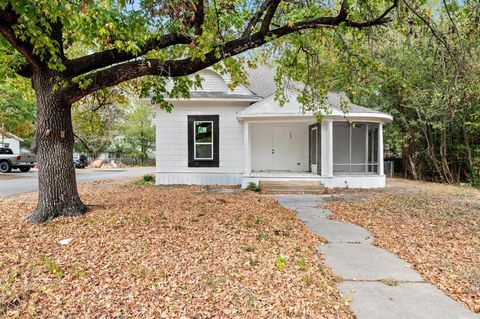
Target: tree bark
{"type": "Point", "coordinates": [54, 140]}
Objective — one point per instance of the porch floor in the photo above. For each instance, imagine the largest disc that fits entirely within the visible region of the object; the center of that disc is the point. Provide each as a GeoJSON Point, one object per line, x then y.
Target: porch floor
{"type": "Point", "coordinates": [282, 174]}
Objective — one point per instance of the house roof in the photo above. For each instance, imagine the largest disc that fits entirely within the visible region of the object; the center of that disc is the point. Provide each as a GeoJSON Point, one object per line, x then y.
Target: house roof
{"type": "Point", "coordinates": [262, 83]}
{"type": "Point", "coordinates": [223, 95]}
{"type": "Point", "coordinates": [261, 80]}
{"type": "Point", "coordinates": [215, 86]}
{"type": "Point", "coordinates": [270, 109]}
{"type": "Point", "coordinates": [10, 135]}
{"type": "Point", "coordinates": [260, 91]}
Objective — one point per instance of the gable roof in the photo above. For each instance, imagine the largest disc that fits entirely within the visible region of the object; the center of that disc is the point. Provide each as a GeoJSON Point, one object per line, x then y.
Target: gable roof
{"type": "Point", "coordinates": [216, 86]}
{"type": "Point", "coordinates": [261, 80]}
{"type": "Point", "coordinates": [10, 135]}
{"type": "Point", "coordinates": [261, 88]}
{"type": "Point", "coordinates": [262, 83]}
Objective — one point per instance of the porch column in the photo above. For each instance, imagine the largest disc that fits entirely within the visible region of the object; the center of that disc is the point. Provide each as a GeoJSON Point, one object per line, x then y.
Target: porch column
{"type": "Point", "coordinates": [327, 147]}
{"type": "Point", "coordinates": [247, 149]}
{"type": "Point", "coordinates": [380, 149]}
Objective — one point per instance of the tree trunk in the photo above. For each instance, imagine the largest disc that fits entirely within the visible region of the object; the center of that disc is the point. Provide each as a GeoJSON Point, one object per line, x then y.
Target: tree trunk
{"type": "Point", "coordinates": [54, 140]}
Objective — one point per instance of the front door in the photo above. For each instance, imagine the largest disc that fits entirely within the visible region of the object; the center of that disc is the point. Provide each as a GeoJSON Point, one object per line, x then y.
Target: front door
{"type": "Point", "coordinates": [313, 149]}
{"type": "Point", "coordinates": [281, 148]}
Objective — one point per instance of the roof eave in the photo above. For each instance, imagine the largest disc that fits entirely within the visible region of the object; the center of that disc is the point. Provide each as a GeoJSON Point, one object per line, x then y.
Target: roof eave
{"type": "Point", "coordinates": [367, 117]}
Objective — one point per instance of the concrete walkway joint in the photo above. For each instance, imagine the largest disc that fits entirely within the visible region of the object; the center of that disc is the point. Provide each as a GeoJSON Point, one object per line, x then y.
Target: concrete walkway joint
{"type": "Point", "coordinates": [379, 283]}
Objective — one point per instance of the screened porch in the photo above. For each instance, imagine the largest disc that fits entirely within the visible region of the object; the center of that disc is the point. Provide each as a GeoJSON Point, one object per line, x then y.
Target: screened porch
{"type": "Point", "coordinates": [356, 148]}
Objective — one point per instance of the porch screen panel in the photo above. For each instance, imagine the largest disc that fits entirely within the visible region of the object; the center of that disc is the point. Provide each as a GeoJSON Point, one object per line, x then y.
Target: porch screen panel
{"type": "Point", "coordinates": [373, 150]}
{"type": "Point", "coordinates": [341, 148]}
{"type": "Point", "coordinates": [357, 158]}
{"type": "Point", "coordinates": [313, 146]}
{"type": "Point", "coordinates": [355, 148]}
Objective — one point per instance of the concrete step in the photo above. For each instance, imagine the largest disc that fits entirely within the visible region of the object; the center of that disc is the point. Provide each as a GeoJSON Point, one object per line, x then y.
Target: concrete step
{"type": "Point", "coordinates": [288, 184]}
{"type": "Point", "coordinates": [291, 187]}
{"type": "Point", "coordinates": [296, 192]}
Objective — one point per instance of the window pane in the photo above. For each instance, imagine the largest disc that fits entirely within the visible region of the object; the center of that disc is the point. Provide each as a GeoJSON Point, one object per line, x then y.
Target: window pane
{"type": "Point", "coordinates": [204, 151]}
{"type": "Point", "coordinates": [203, 132]}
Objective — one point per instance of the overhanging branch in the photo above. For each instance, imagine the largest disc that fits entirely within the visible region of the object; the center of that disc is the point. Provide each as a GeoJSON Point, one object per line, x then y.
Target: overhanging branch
{"type": "Point", "coordinates": [106, 58]}
{"type": "Point", "coordinates": [8, 18]}
{"type": "Point", "coordinates": [137, 68]}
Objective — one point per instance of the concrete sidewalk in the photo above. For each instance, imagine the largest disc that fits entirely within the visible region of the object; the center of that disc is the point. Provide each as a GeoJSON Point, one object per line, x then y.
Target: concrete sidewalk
{"type": "Point", "coordinates": [380, 284]}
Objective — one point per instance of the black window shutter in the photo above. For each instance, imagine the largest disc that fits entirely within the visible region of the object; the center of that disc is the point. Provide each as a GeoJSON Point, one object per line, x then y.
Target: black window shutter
{"type": "Point", "coordinates": [192, 162]}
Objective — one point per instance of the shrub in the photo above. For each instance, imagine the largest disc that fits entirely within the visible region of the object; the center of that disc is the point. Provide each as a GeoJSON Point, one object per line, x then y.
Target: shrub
{"type": "Point", "coordinates": [253, 187]}
{"type": "Point", "coordinates": [148, 178]}
{"type": "Point", "coordinates": [475, 181]}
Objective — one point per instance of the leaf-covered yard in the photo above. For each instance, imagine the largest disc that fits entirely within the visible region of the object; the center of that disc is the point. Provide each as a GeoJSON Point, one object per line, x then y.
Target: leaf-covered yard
{"type": "Point", "coordinates": [433, 226]}
{"type": "Point", "coordinates": [146, 252]}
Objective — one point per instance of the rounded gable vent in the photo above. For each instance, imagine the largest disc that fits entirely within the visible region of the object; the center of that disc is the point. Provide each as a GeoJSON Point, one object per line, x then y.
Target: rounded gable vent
{"type": "Point", "coordinates": [212, 82]}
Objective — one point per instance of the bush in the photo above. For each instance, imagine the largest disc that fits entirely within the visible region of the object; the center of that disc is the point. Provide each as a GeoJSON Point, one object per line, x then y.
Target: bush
{"type": "Point", "coordinates": [148, 179]}
{"type": "Point", "coordinates": [253, 187]}
{"type": "Point", "coordinates": [475, 180]}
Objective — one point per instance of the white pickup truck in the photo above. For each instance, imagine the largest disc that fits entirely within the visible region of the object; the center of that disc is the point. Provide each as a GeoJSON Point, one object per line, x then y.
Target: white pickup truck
{"type": "Point", "coordinates": [9, 161]}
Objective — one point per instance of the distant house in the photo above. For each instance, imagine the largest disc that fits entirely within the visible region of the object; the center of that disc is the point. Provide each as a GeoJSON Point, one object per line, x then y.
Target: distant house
{"type": "Point", "coordinates": [219, 136]}
{"type": "Point", "coordinates": [11, 141]}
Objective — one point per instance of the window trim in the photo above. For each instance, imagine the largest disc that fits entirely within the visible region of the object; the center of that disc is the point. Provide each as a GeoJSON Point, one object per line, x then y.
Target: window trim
{"type": "Point", "coordinates": [192, 161]}
{"type": "Point", "coordinates": [195, 143]}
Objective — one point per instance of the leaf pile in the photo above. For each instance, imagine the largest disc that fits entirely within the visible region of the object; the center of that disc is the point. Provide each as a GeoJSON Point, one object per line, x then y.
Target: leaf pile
{"type": "Point", "coordinates": [147, 252]}
{"type": "Point", "coordinates": [435, 227]}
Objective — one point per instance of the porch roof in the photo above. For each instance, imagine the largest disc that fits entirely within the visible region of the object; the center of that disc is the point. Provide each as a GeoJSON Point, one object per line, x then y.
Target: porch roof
{"type": "Point", "coordinates": [270, 109]}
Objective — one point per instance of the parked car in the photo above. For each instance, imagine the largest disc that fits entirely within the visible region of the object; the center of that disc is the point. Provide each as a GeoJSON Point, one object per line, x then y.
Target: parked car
{"type": "Point", "coordinates": [8, 161]}
{"type": "Point", "coordinates": [80, 160]}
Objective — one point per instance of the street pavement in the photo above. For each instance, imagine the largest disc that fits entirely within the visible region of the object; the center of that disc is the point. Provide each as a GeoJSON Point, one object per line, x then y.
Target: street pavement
{"type": "Point", "coordinates": [16, 182]}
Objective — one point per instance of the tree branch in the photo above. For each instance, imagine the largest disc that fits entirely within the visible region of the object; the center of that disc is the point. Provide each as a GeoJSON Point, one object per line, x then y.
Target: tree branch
{"type": "Point", "coordinates": [256, 18]}
{"type": "Point", "coordinates": [375, 21]}
{"type": "Point", "coordinates": [267, 19]}
{"type": "Point", "coordinates": [8, 18]}
{"type": "Point", "coordinates": [133, 69]}
{"type": "Point", "coordinates": [199, 17]}
{"type": "Point", "coordinates": [106, 58]}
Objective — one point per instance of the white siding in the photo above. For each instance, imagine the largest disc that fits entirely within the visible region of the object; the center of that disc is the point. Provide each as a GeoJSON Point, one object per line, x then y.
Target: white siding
{"type": "Point", "coordinates": [198, 179]}
{"type": "Point", "coordinates": [12, 143]}
{"type": "Point", "coordinates": [172, 143]}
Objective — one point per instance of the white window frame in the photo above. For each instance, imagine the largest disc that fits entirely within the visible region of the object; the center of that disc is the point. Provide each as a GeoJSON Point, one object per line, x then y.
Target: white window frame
{"type": "Point", "coordinates": [202, 143]}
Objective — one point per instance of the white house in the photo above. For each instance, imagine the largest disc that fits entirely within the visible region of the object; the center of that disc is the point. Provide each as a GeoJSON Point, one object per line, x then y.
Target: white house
{"type": "Point", "coordinates": [11, 141]}
{"type": "Point", "coordinates": [219, 136]}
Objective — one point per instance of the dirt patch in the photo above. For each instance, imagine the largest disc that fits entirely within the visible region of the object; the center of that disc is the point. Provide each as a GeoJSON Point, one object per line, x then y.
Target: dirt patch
{"type": "Point", "coordinates": [178, 252]}
{"type": "Point", "coordinates": [433, 226]}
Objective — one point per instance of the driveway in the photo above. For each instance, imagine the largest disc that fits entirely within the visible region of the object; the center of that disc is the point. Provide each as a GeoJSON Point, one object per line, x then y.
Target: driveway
{"type": "Point", "coordinates": [17, 183]}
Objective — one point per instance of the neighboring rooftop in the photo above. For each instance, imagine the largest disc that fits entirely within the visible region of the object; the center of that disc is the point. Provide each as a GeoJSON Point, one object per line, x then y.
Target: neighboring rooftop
{"type": "Point", "coordinates": [10, 135]}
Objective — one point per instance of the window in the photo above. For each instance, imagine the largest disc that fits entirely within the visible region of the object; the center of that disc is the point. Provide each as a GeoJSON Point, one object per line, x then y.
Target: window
{"type": "Point", "coordinates": [203, 141]}
{"type": "Point", "coordinates": [6, 151]}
